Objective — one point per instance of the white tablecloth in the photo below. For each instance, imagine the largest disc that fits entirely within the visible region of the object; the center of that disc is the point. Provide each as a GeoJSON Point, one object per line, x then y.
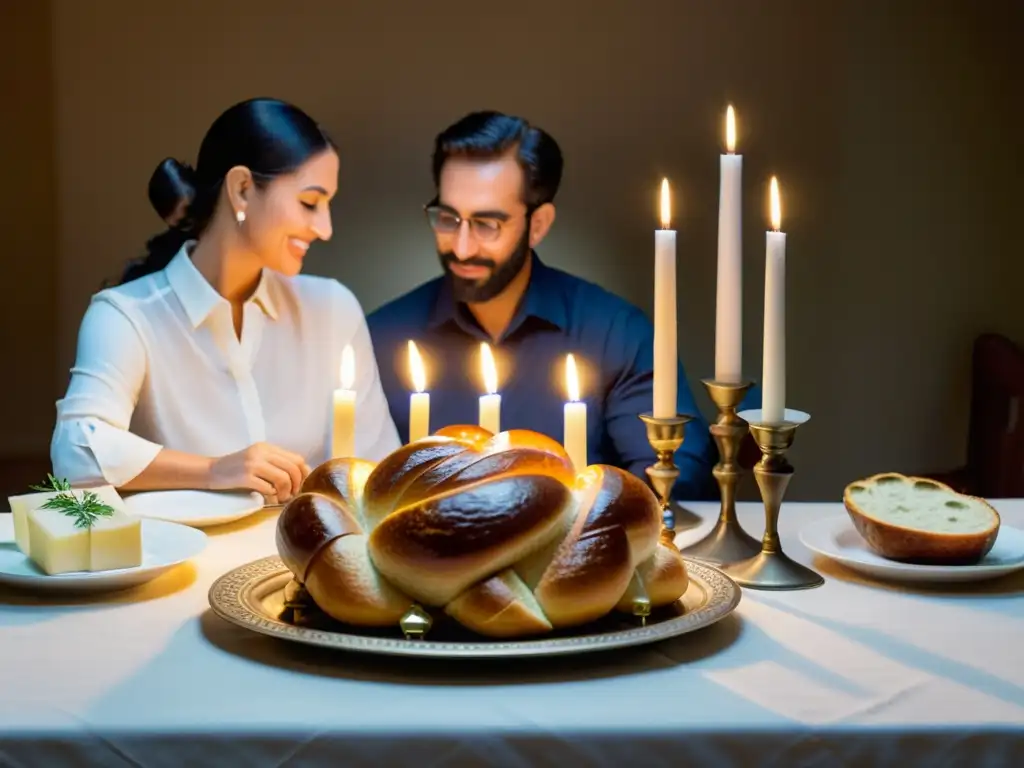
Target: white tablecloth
{"type": "Point", "coordinates": [852, 673]}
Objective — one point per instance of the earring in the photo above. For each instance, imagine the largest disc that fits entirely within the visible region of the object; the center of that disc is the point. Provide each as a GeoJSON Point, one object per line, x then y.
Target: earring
{"type": "Point", "coordinates": [240, 217]}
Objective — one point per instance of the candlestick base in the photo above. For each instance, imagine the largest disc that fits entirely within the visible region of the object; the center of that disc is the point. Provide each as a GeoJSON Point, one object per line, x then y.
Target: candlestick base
{"type": "Point", "coordinates": [727, 542]}
{"type": "Point", "coordinates": [771, 568]}
{"type": "Point", "coordinates": [665, 435]}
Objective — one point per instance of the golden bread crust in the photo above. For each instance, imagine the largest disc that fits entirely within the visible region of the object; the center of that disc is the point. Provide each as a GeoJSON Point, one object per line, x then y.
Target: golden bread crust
{"type": "Point", "coordinates": [498, 531]}
{"type": "Point", "coordinates": [918, 544]}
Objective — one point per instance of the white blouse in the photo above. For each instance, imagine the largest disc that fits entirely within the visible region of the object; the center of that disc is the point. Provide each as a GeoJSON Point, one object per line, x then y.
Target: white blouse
{"type": "Point", "coordinates": [159, 365]}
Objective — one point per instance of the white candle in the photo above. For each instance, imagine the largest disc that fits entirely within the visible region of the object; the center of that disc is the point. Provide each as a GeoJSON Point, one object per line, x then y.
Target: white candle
{"type": "Point", "coordinates": [343, 434]}
{"type": "Point", "coordinates": [574, 431]}
{"type": "Point", "coordinates": [490, 404]}
{"type": "Point", "coordinates": [774, 374]}
{"type": "Point", "coordinates": [665, 350]}
{"type": "Point", "coordinates": [419, 401]}
{"type": "Point", "coordinates": [729, 306]}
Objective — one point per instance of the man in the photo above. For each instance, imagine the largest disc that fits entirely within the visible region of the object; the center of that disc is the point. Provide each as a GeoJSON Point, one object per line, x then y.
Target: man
{"type": "Point", "coordinates": [496, 178]}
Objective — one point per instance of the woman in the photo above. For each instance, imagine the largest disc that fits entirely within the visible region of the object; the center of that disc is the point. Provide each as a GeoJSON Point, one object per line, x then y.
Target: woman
{"type": "Point", "coordinates": [212, 364]}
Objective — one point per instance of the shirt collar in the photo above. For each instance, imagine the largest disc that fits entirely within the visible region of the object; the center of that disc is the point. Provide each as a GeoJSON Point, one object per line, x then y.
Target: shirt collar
{"type": "Point", "coordinates": [199, 298]}
{"type": "Point", "coordinates": [542, 300]}
{"type": "Point", "coordinates": [263, 295]}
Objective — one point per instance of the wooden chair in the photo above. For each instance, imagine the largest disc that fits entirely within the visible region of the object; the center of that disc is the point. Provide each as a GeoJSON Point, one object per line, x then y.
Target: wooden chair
{"type": "Point", "coordinates": [995, 441]}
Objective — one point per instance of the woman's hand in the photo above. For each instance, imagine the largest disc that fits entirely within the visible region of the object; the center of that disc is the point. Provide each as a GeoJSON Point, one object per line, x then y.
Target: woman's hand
{"type": "Point", "coordinates": [274, 472]}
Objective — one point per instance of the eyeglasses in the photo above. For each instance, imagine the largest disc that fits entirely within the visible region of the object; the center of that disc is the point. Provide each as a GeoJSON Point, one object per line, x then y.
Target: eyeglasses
{"type": "Point", "coordinates": [444, 221]}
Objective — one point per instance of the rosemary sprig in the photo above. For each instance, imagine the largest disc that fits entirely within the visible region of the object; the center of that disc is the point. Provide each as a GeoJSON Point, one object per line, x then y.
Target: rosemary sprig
{"type": "Point", "coordinates": [85, 511]}
{"type": "Point", "coordinates": [55, 484]}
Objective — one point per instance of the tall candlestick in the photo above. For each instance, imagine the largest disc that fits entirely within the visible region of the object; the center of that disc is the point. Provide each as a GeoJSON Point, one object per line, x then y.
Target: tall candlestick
{"type": "Point", "coordinates": [574, 430]}
{"type": "Point", "coordinates": [729, 306]}
{"type": "Point", "coordinates": [343, 433]}
{"type": "Point", "coordinates": [665, 349]}
{"type": "Point", "coordinates": [490, 404]}
{"type": "Point", "coordinates": [419, 401]}
{"type": "Point", "coordinates": [773, 382]}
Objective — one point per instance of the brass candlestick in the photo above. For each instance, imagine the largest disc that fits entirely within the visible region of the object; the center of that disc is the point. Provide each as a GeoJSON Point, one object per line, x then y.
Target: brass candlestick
{"type": "Point", "coordinates": [771, 568]}
{"type": "Point", "coordinates": [727, 542]}
{"type": "Point", "coordinates": [665, 435]}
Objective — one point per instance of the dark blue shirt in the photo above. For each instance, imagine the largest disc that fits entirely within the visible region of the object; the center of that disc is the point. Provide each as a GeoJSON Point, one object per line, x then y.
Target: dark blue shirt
{"type": "Point", "coordinates": [612, 341]}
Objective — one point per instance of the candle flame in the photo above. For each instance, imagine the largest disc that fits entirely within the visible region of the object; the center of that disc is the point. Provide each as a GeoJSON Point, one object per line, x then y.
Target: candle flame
{"type": "Point", "coordinates": [666, 205]}
{"type": "Point", "coordinates": [489, 370]}
{"type": "Point", "coordinates": [730, 130]}
{"type": "Point", "coordinates": [572, 379]}
{"type": "Point", "coordinates": [348, 367]}
{"type": "Point", "coordinates": [419, 373]}
{"type": "Point", "coordinates": [776, 205]}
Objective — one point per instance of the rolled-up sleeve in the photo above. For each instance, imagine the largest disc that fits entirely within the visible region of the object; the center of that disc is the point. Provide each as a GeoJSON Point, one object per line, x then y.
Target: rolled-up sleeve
{"type": "Point", "coordinates": [92, 444]}
{"type": "Point", "coordinates": [376, 434]}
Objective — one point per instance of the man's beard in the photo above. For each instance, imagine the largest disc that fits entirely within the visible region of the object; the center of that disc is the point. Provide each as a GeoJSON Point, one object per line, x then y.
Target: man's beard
{"type": "Point", "coordinates": [485, 289]}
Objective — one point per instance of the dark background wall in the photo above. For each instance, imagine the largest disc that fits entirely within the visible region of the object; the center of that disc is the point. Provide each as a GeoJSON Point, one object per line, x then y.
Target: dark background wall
{"type": "Point", "coordinates": [891, 127]}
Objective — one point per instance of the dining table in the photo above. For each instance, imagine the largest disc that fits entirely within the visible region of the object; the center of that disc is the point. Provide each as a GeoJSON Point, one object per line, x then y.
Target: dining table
{"type": "Point", "coordinates": [859, 671]}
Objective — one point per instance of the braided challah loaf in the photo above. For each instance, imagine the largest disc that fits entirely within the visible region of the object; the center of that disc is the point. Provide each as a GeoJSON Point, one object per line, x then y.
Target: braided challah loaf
{"type": "Point", "coordinates": [499, 531]}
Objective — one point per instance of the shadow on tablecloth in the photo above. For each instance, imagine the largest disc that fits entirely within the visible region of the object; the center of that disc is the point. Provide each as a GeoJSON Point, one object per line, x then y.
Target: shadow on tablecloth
{"type": "Point", "coordinates": [1009, 586]}
{"type": "Point", "coordinates": [28, 605]}
{"type": "Point", "coordinates": [298, 657]}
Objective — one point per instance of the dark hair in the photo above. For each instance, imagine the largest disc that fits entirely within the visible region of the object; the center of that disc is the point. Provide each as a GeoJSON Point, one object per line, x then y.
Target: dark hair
{"type": "Point", "coordinates": [267, 136]}
{"type": "Point", "coordinates": [170, 183]}
{"type": "Point", "coordinates": [487, 135]}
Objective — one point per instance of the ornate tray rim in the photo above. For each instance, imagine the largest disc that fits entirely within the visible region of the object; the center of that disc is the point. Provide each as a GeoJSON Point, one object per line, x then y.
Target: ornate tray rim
{"type": "Point", "coordinates": [228, 597]}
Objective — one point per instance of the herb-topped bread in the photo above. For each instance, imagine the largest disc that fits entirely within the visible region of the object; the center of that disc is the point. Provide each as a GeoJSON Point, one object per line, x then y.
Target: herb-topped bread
{"type": "Point", "coordinates": [918, 520]}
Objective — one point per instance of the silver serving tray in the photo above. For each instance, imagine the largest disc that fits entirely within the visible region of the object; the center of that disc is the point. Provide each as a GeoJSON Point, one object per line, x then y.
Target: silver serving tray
{"type": "Point", "coordinates": [253, 597]}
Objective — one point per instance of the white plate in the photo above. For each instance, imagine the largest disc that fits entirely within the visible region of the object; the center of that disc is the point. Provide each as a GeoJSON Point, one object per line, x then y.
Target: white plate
{"type": "Point", "coordinates": [164, 545]}
{"type": "Point", "coordinates": [200, 509]}
{"type": "Point", "coordinates": [836, 538]}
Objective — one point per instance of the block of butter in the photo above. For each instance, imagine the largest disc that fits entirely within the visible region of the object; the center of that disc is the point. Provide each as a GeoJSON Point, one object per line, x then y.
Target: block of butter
{"type": "Point", "coordinates": [115, 541]}
{"type": "Point", "coordinates": [56, 544]}
{"type": "Point", "coordinates": [20, 506]}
